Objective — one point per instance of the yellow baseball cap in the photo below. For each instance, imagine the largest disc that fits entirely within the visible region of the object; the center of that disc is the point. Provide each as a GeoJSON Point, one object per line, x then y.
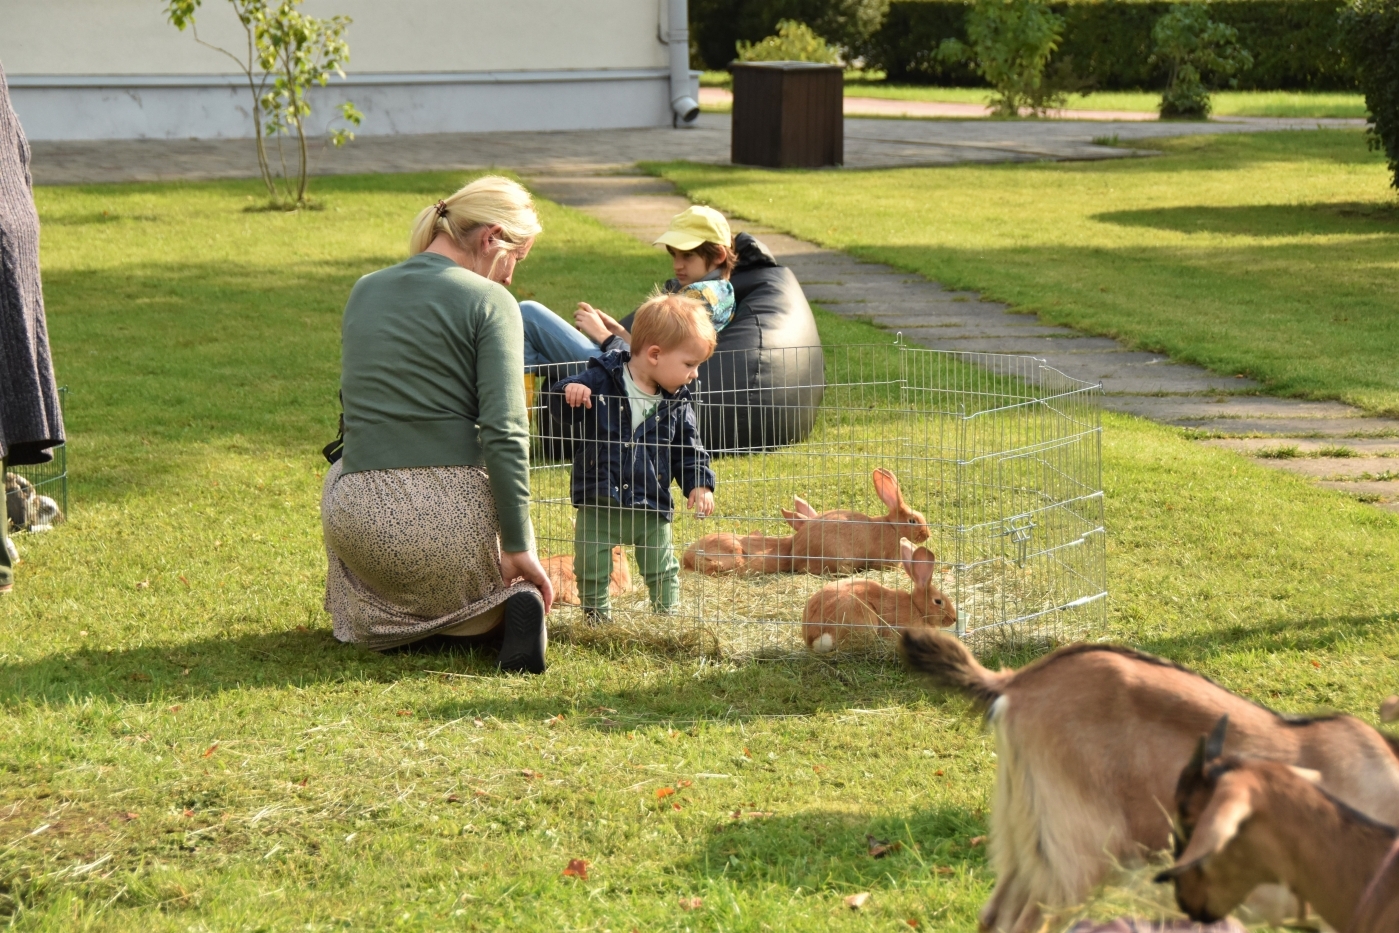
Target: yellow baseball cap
{"type": "Point", "coordinates": [696, 225]}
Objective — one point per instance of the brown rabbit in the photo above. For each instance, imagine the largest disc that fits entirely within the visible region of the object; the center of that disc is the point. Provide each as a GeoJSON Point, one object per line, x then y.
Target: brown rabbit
{"type": "Point", "coordinates": [842, 541]}
{"type": "Point", "coordinates": [560, 571]}
{"type": "Point", "coordinates": [840, 612]}
{"type": "Point", "coordinates": [755, 552]}
{"type": "Point", "coordinates": [725, 552]}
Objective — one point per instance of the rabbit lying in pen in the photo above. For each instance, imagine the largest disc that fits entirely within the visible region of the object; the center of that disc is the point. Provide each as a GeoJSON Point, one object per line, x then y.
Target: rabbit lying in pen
{"type": "Point", "coordinates": [839, 541]}
{"type": "Point", "coordinates": [561, 575]}
{"type": "Point", "coordinates": [25, 509]}
{"type": "Point", "coordinates": [842, 612]}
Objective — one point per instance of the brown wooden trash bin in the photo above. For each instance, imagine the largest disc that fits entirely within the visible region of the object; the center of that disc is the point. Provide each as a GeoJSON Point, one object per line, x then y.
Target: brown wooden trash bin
{"type": "Point", "coordinates": [788, 114]}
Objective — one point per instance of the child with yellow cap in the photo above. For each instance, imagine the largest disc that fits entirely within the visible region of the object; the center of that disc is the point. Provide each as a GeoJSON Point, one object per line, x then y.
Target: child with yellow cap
{"type": "Point", "coordinates": [702, 257]}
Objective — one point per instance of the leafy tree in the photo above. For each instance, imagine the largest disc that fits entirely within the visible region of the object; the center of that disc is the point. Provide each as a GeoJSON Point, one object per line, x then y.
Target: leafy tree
{"type": "Point", "coordinates": [1011, 44]}
{"type": "Point", "coordinates": [1195, 46]}
{"type": "Point", "coordinates": [794, 42]}
{"type": "Point", "coordinates": [1370, 33]}
{"type": "Point", "coordinates": [287, 53]}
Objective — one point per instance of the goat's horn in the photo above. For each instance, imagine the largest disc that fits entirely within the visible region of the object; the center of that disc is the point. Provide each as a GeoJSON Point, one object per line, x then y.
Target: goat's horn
{"type": "Point", "coordinates": [1214, 747]}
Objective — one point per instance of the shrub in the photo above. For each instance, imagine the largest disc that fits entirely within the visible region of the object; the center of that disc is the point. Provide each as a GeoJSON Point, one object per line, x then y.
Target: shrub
{"type": "Point", "coordinates": [1370, 32]}
{"type": "Point", "coordinates": [1295, 43]}
{"type": "Point", "coordinates": [1195, 48]}
{"type": "Point", "coordinates": [1010, 45]}
{"type": "Point", "coordinates": [717, 26]}
{"type": "Point", "coordinates": [794, 42]}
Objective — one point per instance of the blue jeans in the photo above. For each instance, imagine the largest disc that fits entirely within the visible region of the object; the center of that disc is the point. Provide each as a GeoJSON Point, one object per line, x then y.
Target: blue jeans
{"type": "Point", "coordinates": [551, 339]}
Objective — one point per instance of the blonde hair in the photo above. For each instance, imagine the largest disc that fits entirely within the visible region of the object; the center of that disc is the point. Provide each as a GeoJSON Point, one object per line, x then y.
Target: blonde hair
{"type": "Point", "coordinates": [667, 321]}
{"type": "Point", "coordinates": [487, 201]}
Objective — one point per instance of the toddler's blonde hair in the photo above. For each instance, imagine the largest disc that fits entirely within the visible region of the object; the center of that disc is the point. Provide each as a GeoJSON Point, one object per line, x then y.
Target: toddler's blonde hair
{"type": "Point", "coordinates": [491, 199]}
{"type": "Point", "coordinates": [668, 321]}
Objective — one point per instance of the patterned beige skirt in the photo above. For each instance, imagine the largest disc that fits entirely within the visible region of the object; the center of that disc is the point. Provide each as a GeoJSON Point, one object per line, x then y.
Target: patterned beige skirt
{"type": "Point", "coordinates": [411, 553]}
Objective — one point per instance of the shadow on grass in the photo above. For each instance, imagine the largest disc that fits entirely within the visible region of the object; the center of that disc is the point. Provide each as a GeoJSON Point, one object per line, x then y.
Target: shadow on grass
{"type": "Point", "coordinates": [1266, 220]}
{"type": "Point", "coordinates": [307, 658]}
{"type": "Point", "coordinates": [825, 848]}
{"type": "Point", "coordinates": [1317, 635]}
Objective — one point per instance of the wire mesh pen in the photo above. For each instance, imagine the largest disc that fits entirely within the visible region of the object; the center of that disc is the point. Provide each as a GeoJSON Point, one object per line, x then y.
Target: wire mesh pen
{"type": "Point", "coordinates": [47, 479]}
{"type": "Point", "coordinates": [1000, 454]}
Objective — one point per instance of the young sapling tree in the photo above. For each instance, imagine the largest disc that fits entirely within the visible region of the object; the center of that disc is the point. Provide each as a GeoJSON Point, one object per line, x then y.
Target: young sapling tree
{"type": "Point", "coordinates": [287, 54]}
{"type": "Point", "coordinates": [1195, 47]}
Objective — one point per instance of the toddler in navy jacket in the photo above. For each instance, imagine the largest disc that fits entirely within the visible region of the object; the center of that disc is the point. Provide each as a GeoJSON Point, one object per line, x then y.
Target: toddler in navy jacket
{"type": "Point", "coordinates": [636, 432]}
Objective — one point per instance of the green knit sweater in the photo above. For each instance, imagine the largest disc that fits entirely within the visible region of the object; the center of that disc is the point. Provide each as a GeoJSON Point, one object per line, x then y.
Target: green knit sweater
{"type": "Point", "coordinates": [432, 375]}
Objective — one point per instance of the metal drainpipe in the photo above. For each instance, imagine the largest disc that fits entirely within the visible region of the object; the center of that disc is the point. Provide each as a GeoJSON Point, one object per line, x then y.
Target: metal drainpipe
{"type": "Point", "coordinates": [684, 107]}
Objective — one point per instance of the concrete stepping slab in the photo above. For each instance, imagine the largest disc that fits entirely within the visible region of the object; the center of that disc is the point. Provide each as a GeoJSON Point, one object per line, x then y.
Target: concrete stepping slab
{"type": "Point", "coordinates": [951, 328]}
{"type": "Point", "coordinates": [1338, 469]}
{"type": "Point", "coordinates": [1386, 491]}
{"type": "Point", "coordinates": [1026, 344]}
{"type": "Point", "coordinates": [1293, 427]}
{"type": "Point", "coordinates": [1366, 446]}
{"type": "Point", "coordinates": [1194, 407]}
{"type": "Point", "coordinates": [1132, 372]}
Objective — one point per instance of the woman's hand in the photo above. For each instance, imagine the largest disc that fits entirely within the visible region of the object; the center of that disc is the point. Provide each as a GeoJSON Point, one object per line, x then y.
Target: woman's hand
{"type": "Point", "coordinates": [524, 565]}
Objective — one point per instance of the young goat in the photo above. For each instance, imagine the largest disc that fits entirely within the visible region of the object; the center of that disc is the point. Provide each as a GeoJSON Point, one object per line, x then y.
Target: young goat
{"type": "Point", "coordinates": [1089, 740]}
{"type": "Point", "coordinates": [1242, 823]}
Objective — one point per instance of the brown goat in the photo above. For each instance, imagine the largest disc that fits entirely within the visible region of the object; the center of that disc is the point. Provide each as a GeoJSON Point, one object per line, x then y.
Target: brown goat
{"type": "Point", "coordinates": [1245, 822]}
{"type": "Point", "coordinates": [1089, 740]}
{"type": "Point", "coordinates": [1379, 907]}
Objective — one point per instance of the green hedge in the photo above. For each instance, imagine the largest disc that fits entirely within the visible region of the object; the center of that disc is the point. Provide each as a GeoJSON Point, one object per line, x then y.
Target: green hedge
{"type": "Point", "coordinates": [1370, 31]}
{"type": "Point", "coordinates": [1294, 43]}
{"type": "Point", "coordinates": [716, 26]}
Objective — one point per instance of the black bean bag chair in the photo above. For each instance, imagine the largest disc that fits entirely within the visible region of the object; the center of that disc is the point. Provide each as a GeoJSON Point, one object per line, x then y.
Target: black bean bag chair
{"type": "Point", "coordinates": [763, 385]}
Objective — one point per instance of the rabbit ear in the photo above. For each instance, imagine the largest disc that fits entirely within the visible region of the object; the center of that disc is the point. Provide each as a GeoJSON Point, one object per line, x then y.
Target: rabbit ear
{"type": "Point", "coordinates": [793, 519]}
{"type": "Point", "coordinates": [887, 488]}
{"type": "Point", "coordinates": [918, 564]}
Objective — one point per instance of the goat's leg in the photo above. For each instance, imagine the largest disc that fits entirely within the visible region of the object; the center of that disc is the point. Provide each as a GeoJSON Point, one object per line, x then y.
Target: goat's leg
{"type": "Point", "coordinates": [1007, 901]}
{"type": "Point", "coordinates": [1031, 919]}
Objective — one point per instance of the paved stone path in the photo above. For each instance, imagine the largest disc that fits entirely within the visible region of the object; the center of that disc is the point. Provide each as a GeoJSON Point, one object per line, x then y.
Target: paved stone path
{"type": "Point", "coordinates": [868, 144]}
{"type": "Point", "coordinates": [1144, 384]}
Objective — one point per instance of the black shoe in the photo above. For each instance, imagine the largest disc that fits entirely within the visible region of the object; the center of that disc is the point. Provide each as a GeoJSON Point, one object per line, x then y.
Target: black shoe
{"type": "Point", "coordinates": [525, 634]}
{"type": "Point", "coordinates": [595, 617]}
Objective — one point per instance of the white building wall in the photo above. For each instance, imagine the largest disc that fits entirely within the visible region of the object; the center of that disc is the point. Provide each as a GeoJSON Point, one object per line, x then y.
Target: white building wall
{"type": "Point", "coordinates": [116, 69]}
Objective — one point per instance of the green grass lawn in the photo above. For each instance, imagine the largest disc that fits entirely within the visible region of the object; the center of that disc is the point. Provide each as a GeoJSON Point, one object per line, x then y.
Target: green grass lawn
{"type": "Point", "coordinates": [187, 748]}
{"type": "Point", "coordinates": [1226, 103]}
{"type": "Point", "coordinates": [1272, 255]}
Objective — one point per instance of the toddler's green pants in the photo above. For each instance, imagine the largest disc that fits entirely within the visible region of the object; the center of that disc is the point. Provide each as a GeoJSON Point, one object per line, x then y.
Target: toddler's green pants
{"type": "Point", "coordinates": [600, 528]}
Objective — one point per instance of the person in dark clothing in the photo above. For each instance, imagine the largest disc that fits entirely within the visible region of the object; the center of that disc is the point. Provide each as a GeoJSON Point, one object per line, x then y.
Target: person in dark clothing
{"type": "Point", "coordinates": [30, 420]}
{"type": "Point", "coordinates": [638, 434]}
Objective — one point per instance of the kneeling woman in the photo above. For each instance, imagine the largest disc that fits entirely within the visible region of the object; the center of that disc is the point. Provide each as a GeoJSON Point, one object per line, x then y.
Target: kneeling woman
{"type": "Point", "coordinates": [426, 515]}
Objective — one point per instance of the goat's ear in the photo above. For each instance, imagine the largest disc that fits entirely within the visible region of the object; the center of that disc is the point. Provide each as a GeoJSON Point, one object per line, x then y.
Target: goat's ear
{"type": "Point", "coordinates": [1196, 767]}
{"type": "Point", "coordinates": [1311, 775]}
{"type": "Point", "coordinates": [1217, 827]}
{"type": "Point", "coordinates": [1214, 747]}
